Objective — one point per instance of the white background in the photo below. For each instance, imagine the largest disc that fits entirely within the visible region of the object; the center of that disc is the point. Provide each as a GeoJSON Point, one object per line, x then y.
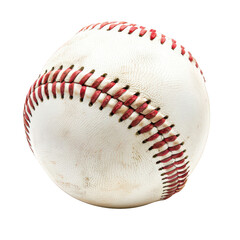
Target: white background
{"type": "Point", "coordinates": [32, 207]}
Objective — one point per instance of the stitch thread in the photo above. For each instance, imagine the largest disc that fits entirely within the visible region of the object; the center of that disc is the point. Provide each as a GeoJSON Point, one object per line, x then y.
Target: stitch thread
{"type": "Point", "coordinates": [174, 167]}
{"type": "Point", "coordinates": [131, 28]}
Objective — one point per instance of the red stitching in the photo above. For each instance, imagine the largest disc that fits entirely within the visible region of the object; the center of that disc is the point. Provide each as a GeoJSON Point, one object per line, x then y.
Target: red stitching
{"type": "Point", "coordinates": [55, 75]}
{"type": "Point", "coordinates": [70, 89]}
{"type": "Point", "coordinates": [46, 90]}
{"type": "Point", "coordinates": [82, 92]}
{"type": "Point", "coordinates": [130, 100]}
{"type": "Point", "coordinates": [116, 107]}
{"type": "Point", "coordinates": [54, 89]}
{"type": "Point", "coordinates": [174, 167]}
{"type": "Point", "coordinates": [85, 78]}
{"type": "Point", "coordinates": [94, 97]}
{"type": "Point", "coordinates": [29, 111]}
{"type": "Point", "coordinates": [190, 57]}
{"type": "Point", "coordinates": [112, 26]}
{"type": "Point", "coordinates": [122, 28]}
{"type": "Point", "coordinates": [153, 35]}
{"type": "Point", "coordinates": [62, 89]}
{"type": "Point", "coordinates": [119, 93]}
{"type": "Point", "coordinates": [158, 145]}
{"type": "Point", "coordinates": [74, 75]}
{"type": "Point", "coordinates": [39, 82]}
{"type": "Point", "coordinates": [152, 138]}
{"type": "Point", "coordinates": [94, 25]}
{"type": "Point", "coordinates": [183, 50]}
{"type": "Point", "coordinates": [40, 92]}
{"type": "Point", "coordinates": [165, 130]}
{"type": "Point", "coordinates": [64, 74]}
{"type": "Point", "coordinates": [46, 77]}
{"type": "Point", "coordinates": [98, 81]}
{"type": "Point", "coordinates": [160, 122]}
{"type": "Point", "coordinates": [145, 129]}
{"type": "Point", "coordinates": [152, 114]}
{"type": "Point", "coordinates": [136, 121]}
{"type": "Point", "coordinates": [132, 29]}
{"type": "Point", "coordinates": [127, 114]}
{"type": "Point", "coordinates": [105, 101]}
{"type": "Point", "coordinates": [142, 107]}
{"type": "Point", "coordinates": [163, 39]}
{"type": "Point", "coordinates": [174, 44]}
{"type": "Point", "coordinates": [142, 32]}
{"type": "Point", "coordinates": [31, 103]}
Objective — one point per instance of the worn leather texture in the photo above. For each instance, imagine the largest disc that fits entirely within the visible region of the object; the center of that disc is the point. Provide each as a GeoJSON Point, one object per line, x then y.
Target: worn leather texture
{"type": "Point", "coordinates": [90, 154]}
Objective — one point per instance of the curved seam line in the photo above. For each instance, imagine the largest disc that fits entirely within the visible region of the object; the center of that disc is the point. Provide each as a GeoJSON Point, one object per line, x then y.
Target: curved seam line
{"type": "Point", "coordinates": [153, 35]}
{"type": "Point", "coordinates": [38, 85]}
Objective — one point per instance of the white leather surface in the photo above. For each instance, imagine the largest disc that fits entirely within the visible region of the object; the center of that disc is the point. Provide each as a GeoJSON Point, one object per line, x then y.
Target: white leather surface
{"type": "Point", "coordinates": [92, 156]}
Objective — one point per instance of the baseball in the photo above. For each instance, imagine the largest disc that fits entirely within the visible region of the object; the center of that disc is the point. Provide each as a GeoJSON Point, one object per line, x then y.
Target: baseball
{"type": "Point", "coordinates": [118, 116]}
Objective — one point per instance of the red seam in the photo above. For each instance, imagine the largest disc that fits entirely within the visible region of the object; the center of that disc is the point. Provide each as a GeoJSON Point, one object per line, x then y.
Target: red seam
{"type": "Point", "coordinates": [143, 31]}
{"type": "Point", "coordinates": [132, 29]}
{"type": "Point", "coordinates": [122, 27]}
{"type": "Point", "coordinates": [40, 92]}
{"type": "Point", "coordinates": [130, 100]}
{"type": "Point", "coordinates": [70, 89]}
{"type": "Point", "coordinates": [127, 114]}
{"type": "Point", "coordinates": [85, 78]}
{"type": "Point", "coordinates": [74, 75]}
{"type": "Point", "coordinates": [152, 114]}
{"type": "Point", "coordinates": [137, 120]}
{"type": "Point", "coordinates": [31, 103]}
{"type": "Point", "coordinates": [62, 89]}
{"type": "Point", "coordinates": [119, 93]}
{"type": "Point", "coordinates": [105, 101]}
{"type": "Point", "coordinates": [159, 122]}
{"type": "Point", "coordinates": [46, 77]}
{"type": "Point", "coordinates": [153, 35]}
{"type": "Point", "coordinates": [55, 75]}
{"type": "Point", "coordinates": [174, 44]}
{"type": "Point", "coordinates": [180, 169]}
{"type": "Point", "coordinates": [46, 89]}
{"type": "Point", "coordinates": [95, 97]}
{"type": "Point", "coordinates": [64, 74]}
{"type": "Point", "coordinates": [54, 89]}
{"type": "Point", "coordinates": [98, 81]}
{"type": "Point", "coordinates": [108, 87]}
{"type": "Point", "coordinates": [82, 92]}
{"type": "Point", "coordinates": [94, 25]}
{"type": "Point", "coordinates": [163, 39]}
{"type": "Point", "coordinates": [142, 107]}
{"type": "Point", "coordinates": [116, 107]}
